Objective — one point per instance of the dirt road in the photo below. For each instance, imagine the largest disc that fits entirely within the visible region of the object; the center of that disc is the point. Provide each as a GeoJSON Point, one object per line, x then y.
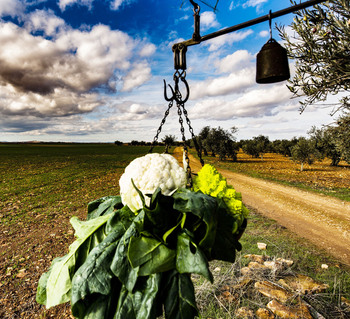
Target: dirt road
{"type": "Point", "coordinates": [323, 220]}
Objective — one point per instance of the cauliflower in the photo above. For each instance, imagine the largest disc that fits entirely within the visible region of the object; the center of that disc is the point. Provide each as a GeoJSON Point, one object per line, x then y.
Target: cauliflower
{"type": "Point", "coordinates": [149, 172]}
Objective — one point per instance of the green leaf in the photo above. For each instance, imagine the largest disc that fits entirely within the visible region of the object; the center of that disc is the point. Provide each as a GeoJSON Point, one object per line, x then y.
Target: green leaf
{"type": "Point", "coordinates": [104, 206]}
{"type": "Point", "coordinates": [190, 258]}
{"type": "Point", "coordinates": [95, 276]}
{"type": "Point", "coordinates": [120, 265]}
{"type": "Point", "coordinates": [142, 302]}
{"type": "Point", "coordinates": [58, 288]}
{"type": "Point", "coordinates": [98, 306]}
{"type": "Point", "coordinates": [226, 241]}
{"type": "Point", "coordinates": [160, 217]}
{"type": "Point", "coordinates": [41, 290]}
{"type": "Point", "coordinates": [204, 207]}
{"type": "Point", "coordinates": [178, 296]}
{"type": "Point", "coordinates": [150, 255]}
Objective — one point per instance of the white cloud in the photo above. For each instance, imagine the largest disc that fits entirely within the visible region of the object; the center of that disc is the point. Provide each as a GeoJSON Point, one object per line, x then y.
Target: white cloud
{"type": "Point", "coordinates": [254, 3]}
{"type": "Point", "coordinates": [264, 33]}
{"type": "Point", "coordinates": [147, 50]}
{"type": "Point", "coordinates": [64, 3]}
{"type": "Point", "coordinates": [11, 7]}
{"type": "Point", "coordinates": [46, 21]}
{"type": "Point", "coordinates": [253, 103]}
{"type": "Point", "coordinates": [140, 74]}
{"type": "Point", "coordinates": [135, 111]}
{"type": "Point", "coordinates": [208, 20]}
{"type": "Point", "coordinates": [115, 4]}
{"type": "Point", "coordinates": [227, 39]}
{"type": "Point", "coordinates": [238, 60]}
{"type": "Point", "coordinates": [233, 83]}
{"type": "Point", "coordinates": [57, 76]}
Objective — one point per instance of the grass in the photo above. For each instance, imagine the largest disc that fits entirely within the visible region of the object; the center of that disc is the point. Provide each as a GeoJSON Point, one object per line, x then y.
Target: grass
{"type": "Point", "coordinates": [280, 243]}
{"type": "Point", "coordinates": [42, 186]}
{"type": "Point", "coordinates": [63, 177]}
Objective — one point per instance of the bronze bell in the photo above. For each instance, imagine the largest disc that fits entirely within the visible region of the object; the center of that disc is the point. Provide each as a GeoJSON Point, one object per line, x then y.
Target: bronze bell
{"type": "Point", "coordinates": [272, 63]}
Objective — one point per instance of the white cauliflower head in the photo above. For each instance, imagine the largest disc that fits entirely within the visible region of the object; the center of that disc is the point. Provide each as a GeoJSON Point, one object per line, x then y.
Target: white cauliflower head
{"type": "Point", "coordinates": [149, 172]}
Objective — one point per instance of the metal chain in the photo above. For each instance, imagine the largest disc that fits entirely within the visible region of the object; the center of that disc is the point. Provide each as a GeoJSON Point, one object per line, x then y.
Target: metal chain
{"type": "Point", "coordinates": [155, 140]}
{"type": "Point", "coordinates": [199, 153]}
{"type": "Point", "coordinates": [182, 130]}
{"type": "Point", "coordinates": [180, 103]}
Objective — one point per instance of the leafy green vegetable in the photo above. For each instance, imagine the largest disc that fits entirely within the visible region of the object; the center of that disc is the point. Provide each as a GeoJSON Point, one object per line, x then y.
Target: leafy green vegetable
{"type": "Point", "coordinates": [179, 301]}
{"type": "Point", "coordinates": [104, 206]}
{"type": "Point", "coordinates": [190, 259]}
{"type": "Point", "coordinates": [138, 265]}
{"type": "Point", "coordinates": [94, 276]}
{"type": "Point", "coordinates": [151, 255]}
{"type": "Point", "coordinates": [59, 282]}
{"type": "Point", "coordinates": [141, 304]}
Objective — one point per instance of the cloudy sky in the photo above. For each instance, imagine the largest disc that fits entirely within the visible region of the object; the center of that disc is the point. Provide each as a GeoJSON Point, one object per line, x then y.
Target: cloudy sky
{"type": "Point", "coordinates": [93, 70]}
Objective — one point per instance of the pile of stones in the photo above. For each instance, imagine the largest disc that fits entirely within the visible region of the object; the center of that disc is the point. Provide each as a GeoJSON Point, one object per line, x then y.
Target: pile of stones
{"type": "Point", "coordinates": [272, 278]}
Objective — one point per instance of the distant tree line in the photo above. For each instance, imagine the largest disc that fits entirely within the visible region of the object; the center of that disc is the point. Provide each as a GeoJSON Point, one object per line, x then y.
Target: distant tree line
{"type": "Point", "coordinates": [331, 142]}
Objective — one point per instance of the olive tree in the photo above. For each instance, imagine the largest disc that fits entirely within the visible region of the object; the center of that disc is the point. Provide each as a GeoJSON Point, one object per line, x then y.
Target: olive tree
{"type": "Point", "coordinates": [168, 140]}
{"type": "Point", "coordinates": [304, 152]}
{"type": "Point", "coordinates": [342, 137]}
{"type": "Point", "coordinates": [325, 142]}
{"type": "Point", "coordinates": [218, 141]}
{"type": "Point", "coordinates": [320, 44]}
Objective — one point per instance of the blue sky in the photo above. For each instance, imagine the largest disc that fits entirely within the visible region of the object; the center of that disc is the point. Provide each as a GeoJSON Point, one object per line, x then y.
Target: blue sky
{"type": "Point", "coordinates": [93, 70]}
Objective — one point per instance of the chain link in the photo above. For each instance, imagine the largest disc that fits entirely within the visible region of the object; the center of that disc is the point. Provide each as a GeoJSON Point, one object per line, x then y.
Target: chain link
{"type": "Point", "coordinates": [155, 140]}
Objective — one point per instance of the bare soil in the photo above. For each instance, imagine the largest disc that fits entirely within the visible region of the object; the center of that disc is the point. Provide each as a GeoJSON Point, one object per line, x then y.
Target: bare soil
{"type": "Point", "coordinates": [323, 220]}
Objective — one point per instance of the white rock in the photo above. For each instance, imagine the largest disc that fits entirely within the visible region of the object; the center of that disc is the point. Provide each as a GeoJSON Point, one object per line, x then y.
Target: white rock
{"type": "Point", "coordinates": [262, 246]}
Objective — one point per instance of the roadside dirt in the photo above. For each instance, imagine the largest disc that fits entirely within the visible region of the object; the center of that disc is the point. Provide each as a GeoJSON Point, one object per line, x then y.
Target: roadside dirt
{"type": "Point", "coordinates": [323, 220]}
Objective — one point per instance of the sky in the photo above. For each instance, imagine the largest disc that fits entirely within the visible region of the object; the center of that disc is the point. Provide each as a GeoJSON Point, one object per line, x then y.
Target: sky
{"type": "Point", "coordinates": [93, 71]}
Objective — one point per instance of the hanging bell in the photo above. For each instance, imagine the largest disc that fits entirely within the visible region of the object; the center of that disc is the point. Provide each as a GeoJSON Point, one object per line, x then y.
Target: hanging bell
{"type": "Point", "coordinates": [272, 63]}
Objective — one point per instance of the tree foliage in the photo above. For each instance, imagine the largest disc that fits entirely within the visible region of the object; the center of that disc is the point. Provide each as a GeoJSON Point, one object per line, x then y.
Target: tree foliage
{"type": "Point", "coordinates": [320, 45]}
{"type": "Point", "coordinates": [283, 146]}
{"type": "Point", "coordinates": [218, 141]}
{"type": "Point", "coordinates": [325, 143]}
{"type": "Point", "coordinates": [304, 152]}
{"type": "Point", "coordinates": [342, 137]}
{"type": "Point", "coordinates": [257, 146]}
{"type": "Point", "coordinates": [168, 140]}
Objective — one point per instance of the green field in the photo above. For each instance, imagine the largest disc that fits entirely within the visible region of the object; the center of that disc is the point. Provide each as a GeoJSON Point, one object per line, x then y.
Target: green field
{"type": "Point", "coordinates": [59, 177]}
{"type": "Point", "coordinates": [43, 185]}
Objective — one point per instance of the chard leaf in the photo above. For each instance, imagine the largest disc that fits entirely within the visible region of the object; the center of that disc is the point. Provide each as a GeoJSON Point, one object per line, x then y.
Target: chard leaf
{"type": "Point", "coordinates": [160, 217]}
{"type": "Point", "coordinates": [204, 207]}
{"type": "Point", "coordinates": [58, 288]}
{"type": "Point", "coordinates": [41, 290]}
{"type": "Point", "coordinates": [104, 206]}
{"type": "Point", "coordinates": [95, 276]}
{"type": "Point", "coordinates": [120, 266]}
{"type": "Point", "coordinates": [98, 306]}
{"type": "Point", "coordinates": [190, 258]}
{"type": "Point", "coordinates": [150, 255]}
{"type": "Point", "coordinates": [179, 298]}
{"type": "Point", "coordinates": [142, 302]}
{"type": "Point", "coordinates": [226, 242]}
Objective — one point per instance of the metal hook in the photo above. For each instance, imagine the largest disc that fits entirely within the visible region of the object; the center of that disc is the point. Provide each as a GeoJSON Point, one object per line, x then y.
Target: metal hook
{"type": "Point", "coordinates": [165, 93]}
{"type": "Point", "coordinates": [187, 91]}
{"type": "Point", "coordinates": [176, 94]}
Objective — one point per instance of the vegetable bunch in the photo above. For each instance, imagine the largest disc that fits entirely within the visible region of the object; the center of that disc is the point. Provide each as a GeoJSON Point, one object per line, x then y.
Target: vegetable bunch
{"type": "Point", "coordinates": [138, 264]}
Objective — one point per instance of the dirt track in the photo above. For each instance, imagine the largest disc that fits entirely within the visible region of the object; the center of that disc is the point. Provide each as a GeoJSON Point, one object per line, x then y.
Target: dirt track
{"type": "Point", "coordinates": [323, 220]}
